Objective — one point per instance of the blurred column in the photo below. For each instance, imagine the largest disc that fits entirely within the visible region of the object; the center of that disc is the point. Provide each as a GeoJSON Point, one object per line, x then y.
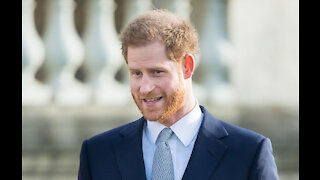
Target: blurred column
{"type": "Point", "coordinates": [216, 54]}
{"type": "Point", "coordinates": [103, 55]}
{"type": "Point", "coordinates": [65, 53]}
{"type": "Point", "coordinates": [33, 54]}
{"type": "Point", "coordinates": [180, 7]}
{"type": "Point", "coordinates": [134, 8]}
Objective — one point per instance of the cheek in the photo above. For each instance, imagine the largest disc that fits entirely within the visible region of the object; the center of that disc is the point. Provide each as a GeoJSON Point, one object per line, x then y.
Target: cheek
{"type": "Point", "coordinates": [168, 85]}
{"type": "Point", "coordinates": [133, 82]}
{"type": "Point", "coordinates": [133, 87]}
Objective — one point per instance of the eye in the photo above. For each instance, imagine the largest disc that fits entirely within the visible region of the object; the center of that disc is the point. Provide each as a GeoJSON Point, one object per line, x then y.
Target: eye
{"type": "Point", "coordinates": [136, 73]}
{"type": "Point", "coordinates": [158, 72]}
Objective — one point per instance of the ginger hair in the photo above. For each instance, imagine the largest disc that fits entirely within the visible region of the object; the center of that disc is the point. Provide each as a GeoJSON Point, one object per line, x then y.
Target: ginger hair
{"type": "Point", "coordinates": [178, 36]}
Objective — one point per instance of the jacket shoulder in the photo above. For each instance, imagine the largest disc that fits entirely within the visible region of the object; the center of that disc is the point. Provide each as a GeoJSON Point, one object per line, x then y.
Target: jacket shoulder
{"type": "Point", "coordinates": [238, 132]}
{"type": "Point", "coordinates": [228, 131]}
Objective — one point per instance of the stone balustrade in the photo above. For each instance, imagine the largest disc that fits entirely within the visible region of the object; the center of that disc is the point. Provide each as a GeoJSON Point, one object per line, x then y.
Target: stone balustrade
{"type": "Point", "coordinates": [248, 51]}
{"type": "Point", "coordinates": [60, 52]}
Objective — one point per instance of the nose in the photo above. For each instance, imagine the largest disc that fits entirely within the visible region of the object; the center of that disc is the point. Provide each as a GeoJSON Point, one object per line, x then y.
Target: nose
{"type": "Point", "coordinates": [147, 85]}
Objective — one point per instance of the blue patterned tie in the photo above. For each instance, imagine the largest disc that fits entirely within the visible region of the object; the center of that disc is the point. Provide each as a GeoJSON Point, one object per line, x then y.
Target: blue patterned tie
{"type": "Point", "coordinates": [162, 168]}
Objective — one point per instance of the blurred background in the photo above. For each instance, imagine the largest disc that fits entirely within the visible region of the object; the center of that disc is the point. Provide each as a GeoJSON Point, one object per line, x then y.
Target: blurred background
{"type": "Point", "coordinates": [75, 84]}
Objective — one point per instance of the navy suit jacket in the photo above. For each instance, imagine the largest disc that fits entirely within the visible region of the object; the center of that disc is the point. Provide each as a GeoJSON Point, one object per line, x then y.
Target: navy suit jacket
{"type": "Point", "coordinates": [221, 152]}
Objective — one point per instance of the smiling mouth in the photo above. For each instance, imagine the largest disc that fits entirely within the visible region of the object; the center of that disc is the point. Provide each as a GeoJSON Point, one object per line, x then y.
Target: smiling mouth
{"type": "Point", "coordinates": [150, 100]}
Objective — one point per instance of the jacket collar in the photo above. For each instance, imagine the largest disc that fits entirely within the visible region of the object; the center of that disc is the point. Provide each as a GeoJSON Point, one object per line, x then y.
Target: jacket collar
{"type": "Point", "coordinates": [208, 150]}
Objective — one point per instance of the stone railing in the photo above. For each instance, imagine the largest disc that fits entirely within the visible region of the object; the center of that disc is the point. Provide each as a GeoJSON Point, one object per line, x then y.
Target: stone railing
{"type": "Point", "coordinates": [60, 52]}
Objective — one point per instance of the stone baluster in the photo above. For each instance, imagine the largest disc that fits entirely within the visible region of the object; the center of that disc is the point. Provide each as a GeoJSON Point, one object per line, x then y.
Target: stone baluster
{"type": "Point", "coordinates": [133, 8]}
{"type": "Point", "coordinates": [33, 54]}
{"type": "Point", "coordinates": [180, 7]}
{"type": "Point", "coordinates": [216, 54]}
{"type": "Point", "coordinates": [103, 55]}
{"type": "Point", "coordinates": [65, 53]}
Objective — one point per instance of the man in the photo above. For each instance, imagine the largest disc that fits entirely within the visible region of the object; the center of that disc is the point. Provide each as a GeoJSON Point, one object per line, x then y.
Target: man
{"type": "Point", "coordinates": [176, 138]}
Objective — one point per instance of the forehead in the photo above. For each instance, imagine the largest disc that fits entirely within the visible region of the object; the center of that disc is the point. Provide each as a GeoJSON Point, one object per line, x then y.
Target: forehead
{"type": "Point", "coordinates": [151, 55]}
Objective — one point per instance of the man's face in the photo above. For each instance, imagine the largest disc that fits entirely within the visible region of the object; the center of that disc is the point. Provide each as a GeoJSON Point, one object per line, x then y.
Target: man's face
{"type": "Point", "coordinates": [156, 82]}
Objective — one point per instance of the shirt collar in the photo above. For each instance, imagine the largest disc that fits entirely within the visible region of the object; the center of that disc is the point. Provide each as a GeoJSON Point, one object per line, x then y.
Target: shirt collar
{"type": "Point", "coordinates": [185, 129]}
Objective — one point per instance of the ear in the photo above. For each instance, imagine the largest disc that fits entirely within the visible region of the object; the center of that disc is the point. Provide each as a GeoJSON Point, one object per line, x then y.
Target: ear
{"type": "Point", "coordinates": [188, 65]}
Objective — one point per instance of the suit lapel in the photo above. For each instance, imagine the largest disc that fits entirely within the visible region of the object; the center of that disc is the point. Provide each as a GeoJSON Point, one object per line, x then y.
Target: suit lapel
{"type": "Point", "coordinates": [129, 152]}
{"type": "Point", "coordinates": [208, 149]}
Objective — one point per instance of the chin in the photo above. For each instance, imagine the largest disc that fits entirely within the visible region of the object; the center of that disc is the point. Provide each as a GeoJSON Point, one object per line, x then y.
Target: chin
{"type": "Point", "coordinates": [151, 116]}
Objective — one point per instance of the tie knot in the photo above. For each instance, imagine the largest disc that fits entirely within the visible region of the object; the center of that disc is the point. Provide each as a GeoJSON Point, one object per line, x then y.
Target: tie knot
{"type": "Point", "coordinates": [164, 135]}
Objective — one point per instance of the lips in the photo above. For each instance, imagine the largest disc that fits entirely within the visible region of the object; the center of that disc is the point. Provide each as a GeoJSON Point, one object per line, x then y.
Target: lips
{"type": "Point", "coordinates": [151, 102]}
{"type": "Point", "coordinates": [152, 99]}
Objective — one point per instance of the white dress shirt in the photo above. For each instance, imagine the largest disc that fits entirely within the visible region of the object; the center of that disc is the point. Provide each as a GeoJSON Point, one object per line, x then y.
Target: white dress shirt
{"type": "Point", "coordinates": [181, 142]}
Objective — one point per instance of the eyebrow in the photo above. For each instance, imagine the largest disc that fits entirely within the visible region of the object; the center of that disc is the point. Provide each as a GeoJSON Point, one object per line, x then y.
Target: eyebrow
{"type": "Point", "coordinates": [152, 68]}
